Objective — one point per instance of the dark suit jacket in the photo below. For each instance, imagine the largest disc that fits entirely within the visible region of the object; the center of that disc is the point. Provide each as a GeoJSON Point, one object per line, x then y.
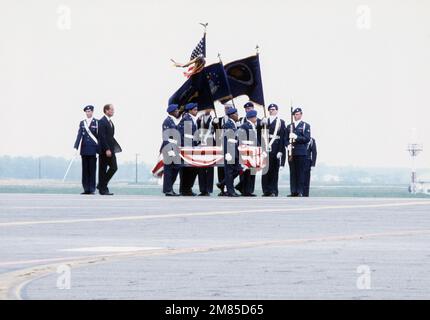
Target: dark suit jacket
{"type": "Point", "coordinates": [106, 136]}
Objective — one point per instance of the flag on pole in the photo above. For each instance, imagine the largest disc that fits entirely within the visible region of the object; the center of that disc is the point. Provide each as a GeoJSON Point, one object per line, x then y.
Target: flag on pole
{"type": "Point", "coordinates": [204, 88]}
{"type": "Point", "coordinates": [244, 77]}
{"type": "Point", "coordinates": [200, 49]}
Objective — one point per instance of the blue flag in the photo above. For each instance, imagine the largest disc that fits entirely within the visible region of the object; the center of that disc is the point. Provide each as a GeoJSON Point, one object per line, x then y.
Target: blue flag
{"type": "Point", "coordinates": [244, 77]}
{"type": "Point", "coordinates": [204, 88]}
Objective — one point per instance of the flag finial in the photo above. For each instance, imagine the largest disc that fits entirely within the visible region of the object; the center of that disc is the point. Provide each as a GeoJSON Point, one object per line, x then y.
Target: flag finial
{"type": "Point", "coordinates": [204, 25]}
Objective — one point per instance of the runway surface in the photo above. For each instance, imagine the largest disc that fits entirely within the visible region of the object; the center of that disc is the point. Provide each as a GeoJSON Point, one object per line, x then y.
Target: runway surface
{"type": "Point", "coordinates": [137, 247]}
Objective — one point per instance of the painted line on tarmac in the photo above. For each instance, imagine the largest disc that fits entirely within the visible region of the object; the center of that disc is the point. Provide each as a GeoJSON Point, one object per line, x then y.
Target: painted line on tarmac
{"type": "Point", "coordinates": [12, 283]}
{"type": "Point", "coordinates": [210, 213]}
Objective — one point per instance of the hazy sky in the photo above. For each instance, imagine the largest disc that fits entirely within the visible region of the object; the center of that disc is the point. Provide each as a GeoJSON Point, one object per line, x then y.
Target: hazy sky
{"type": "Point", "coordinates": [359, 69]}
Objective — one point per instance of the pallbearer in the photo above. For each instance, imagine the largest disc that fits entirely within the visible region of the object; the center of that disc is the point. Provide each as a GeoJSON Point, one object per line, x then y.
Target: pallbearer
{"type": "Point", "coordinates": [248, 136]}
{"type": "Point", "coordinates": [188, 127]}
{"type": "Point", "coordinates": [297, 141]}
{"type": "Point", "coordinates": [232, 166]}
{"type": "Point", "coordinates": [206, 175]}
{"type": "Point", "coordinates": [88, 140]}
{"type": "Point", "coordinates": [218, 124]}
{"type": "Point", "coordinates": [249, 106]}
{"type": "Point", "coordinates": [311, 161]}
{"type": "Point", "coordinates": [170, 150]}
{"type": "Point", "coordinates": [277, 152]}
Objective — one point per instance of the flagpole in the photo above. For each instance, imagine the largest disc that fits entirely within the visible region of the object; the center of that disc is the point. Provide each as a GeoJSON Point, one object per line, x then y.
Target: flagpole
{"type": "Point", "coordinates": [232, 99]}
{"type": "Point", "coordinates": [257, 49]}
{"type": "Point", "coordinates": [265, 133]}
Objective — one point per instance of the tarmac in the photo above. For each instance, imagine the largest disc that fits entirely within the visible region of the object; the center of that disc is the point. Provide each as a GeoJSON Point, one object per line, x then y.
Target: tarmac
{"type": "Point", "coordinates": [154, 247]}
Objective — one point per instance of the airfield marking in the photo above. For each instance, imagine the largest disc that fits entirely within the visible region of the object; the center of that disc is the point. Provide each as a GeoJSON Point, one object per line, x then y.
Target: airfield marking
{"type": "Point", "coordinates": [12, 283]}
{"type": "Point", "coordinates": [210, 213]}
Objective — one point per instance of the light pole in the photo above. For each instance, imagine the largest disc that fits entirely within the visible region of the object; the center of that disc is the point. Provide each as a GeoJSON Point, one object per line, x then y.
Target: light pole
{"type": "Point", "coordinates": [137, 169]}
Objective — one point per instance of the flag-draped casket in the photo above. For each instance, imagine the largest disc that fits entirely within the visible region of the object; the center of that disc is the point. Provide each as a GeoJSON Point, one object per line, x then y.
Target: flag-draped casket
{"type": "Point", "coordinates": [201, 157]}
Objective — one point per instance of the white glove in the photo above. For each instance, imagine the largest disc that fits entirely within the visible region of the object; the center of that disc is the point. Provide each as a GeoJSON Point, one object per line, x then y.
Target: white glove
{"type": "Point", "coordinates": [281, 168]}
{"type": "Point", "coordinates": [264, 154]}
{"type": "Point", "coordinates": [244, 167]}
{"type": "Point", "coordinates": [216, 121]}
{"type": "Point", "coordinates": [264, 121]}
{"type": "Point", "coordinates": [279, 155]}
{"type": "Point", "coordinates": [290, 148]}
{"type": "Point", "coordinates": [293, 136]}
{"type": "Point", "coordinates": [228, 157]}
{"type": "Point", "coordinates": [76, 152]}
{"type": "Point", "coordinates": [171, 153]}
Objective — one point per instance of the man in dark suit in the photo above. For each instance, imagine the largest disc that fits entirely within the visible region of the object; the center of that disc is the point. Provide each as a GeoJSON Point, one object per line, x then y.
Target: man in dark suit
{"type": "Point", "coordinates": [87, 139]}
{"type": "Point", "coordinates": [109, 148]}
{"type": "Point", "coordinates": [297, 141]}
{"type": "Point", "coordinates": [311, 161]}
{"type": "Point", "coordinates": [277, 153]}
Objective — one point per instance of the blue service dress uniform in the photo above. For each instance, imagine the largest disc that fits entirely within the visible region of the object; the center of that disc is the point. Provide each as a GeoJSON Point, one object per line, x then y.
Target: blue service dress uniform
{"type": "Point", "coordinates": [172, 163]}
{"type": "Point", "coordinates": [298, 161]}
{"type": "Point", "coordinates": [188, 174]}
{"type": "Point", "coordinates": [248, 135]}
{"type": "Point", "coordinates": [247, 175]}
{"type": "Point", "coordinates": [206, 175]}
{"type": "Point", "coordinates": [311, 161]}
{"type": "Point", "coordinates": [218, 129]}
{"type": "Point", "coordinates": [269, 180]}
{"type": "Point", "coordinates": [232, 167]}
{"type": "Point", "coordinates": [89, 151]}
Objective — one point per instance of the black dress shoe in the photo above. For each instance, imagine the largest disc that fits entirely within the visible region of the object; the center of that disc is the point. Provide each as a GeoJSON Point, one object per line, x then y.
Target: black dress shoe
{"type": "Point", "coordinates": [220, 186]}
{"type": "Point", "coordinates": [222, 194]}
{"type": "Point", "coordinates": [188, 194]}
{"type": "Point", "coordinates": [249, 195]}
{"type": "Point", "coordinates": [238, 189]}
{"type": "Point", "coordinates": [266, 194]}
{"type": "Point", "coordinates": [106, 193]}
{"type": "Point", "coordinates": [233, 195]}
{"type": "Point", "coordinates": [84, 193]}
{"type": "Point", "coordinates": [299, 195]}
{"type": "Point", "coordinates": [204, 194]}
{"type": "Point", "coordinates": [291, 196]}
{"type": "Point", "coordinates": [171, 194]}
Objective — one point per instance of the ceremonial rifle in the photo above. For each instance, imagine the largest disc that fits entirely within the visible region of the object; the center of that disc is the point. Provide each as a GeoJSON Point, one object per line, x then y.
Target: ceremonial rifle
{"type": "Point", "coordinates": [290, 149]}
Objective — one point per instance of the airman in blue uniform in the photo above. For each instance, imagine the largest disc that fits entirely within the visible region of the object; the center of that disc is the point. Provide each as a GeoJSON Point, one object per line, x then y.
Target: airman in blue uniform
{"type": "Point", "coordinates": [206, 174]}
{"type": "Point", "coordinates": [218, 124]}
{"type": "Point", "coordinates": [248, 135]}
{"type": "Point", "coordinates": [311, 161]}
{"type": "Point", "coordinates": [299, 135]}
{"type": "Point", "coordinates": [232, 167]}
{"type": "Point", "coordinates": [170, 150]}
{"type": "Point", "coordinates": [87, 139]}
{"type": "Point", "coordinates": [249, 106]}
{"type": "Point", "coordinates": [187, 128]}
{"type": "Point", "coordinates": [277, 152]}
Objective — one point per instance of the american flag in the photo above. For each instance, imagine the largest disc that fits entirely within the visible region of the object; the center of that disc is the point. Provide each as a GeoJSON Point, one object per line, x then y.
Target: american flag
{"type": "Point", "coordinates": [200, 49]}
